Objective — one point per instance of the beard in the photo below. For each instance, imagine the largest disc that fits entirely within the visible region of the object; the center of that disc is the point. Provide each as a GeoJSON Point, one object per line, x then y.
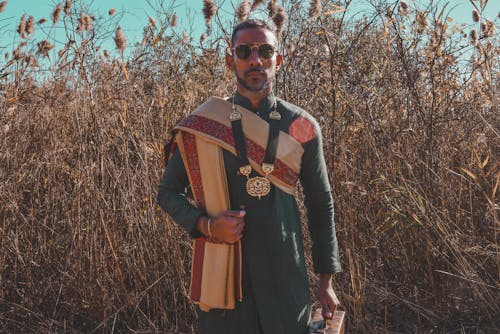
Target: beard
{"type": "Point", "coordinates": [253, 87]}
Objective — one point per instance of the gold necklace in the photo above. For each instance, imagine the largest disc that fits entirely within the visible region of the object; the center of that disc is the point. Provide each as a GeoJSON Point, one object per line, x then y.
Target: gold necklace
{"type": "Point", "coordinates": [257, 186]}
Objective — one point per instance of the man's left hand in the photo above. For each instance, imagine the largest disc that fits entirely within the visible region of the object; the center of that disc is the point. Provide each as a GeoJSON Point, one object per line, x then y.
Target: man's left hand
{"type": "Point", "coordinates": [327, 297]}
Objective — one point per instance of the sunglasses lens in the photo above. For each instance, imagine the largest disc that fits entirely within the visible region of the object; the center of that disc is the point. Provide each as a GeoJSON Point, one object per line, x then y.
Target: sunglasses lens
{"type": "Point", "coordinates": [243, 51]}
{"type": "Point", "coordinates": [266, 51]}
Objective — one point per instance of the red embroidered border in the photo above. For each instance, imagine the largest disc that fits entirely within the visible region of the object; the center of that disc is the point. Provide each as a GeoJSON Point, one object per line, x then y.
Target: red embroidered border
{"type": "Point", "coordinates": [193, 165]}
{"type": "Point", "coordinates": [254, 151]}
{"type": "Point", "coordinates": [196, 276]}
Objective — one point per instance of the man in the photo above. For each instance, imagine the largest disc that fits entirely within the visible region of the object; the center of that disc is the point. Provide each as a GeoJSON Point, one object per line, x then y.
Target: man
{"type": "Point", "coordinates": [241, 158]}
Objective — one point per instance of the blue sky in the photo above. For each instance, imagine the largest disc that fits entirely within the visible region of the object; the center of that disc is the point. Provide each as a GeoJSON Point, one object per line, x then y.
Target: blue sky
{"type": "Point", "coordinates": [132, 15]}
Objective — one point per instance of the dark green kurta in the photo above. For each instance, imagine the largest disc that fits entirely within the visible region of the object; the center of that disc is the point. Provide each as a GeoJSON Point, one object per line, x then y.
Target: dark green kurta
{"type": "Point", "coordinates": [275, 288]}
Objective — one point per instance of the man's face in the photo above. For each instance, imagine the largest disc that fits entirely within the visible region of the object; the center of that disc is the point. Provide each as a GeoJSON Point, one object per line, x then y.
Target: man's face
{"type": "Point", "coordinates": [255, 73]}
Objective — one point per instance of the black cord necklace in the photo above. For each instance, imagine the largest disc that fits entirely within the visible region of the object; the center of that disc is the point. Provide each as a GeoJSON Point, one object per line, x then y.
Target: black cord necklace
{"type": "Point", "coordinates": [257, 186]}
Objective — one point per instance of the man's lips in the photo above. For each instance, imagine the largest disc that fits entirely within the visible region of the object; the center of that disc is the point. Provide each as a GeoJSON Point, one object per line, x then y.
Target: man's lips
{"type": "Point", "coordinates": [251, 73]}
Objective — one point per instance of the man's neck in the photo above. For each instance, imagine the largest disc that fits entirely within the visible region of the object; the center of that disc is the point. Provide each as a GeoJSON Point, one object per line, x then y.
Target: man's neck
{"type": "Point", "coordinates": [255, 97]}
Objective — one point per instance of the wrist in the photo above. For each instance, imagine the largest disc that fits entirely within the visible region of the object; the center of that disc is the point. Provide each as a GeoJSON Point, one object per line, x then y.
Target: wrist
{"type": "Point", "coordinates": [202, 226]}
{"type": "Point", "coordinates": [209, 227]}
{"type": "Point", "coordinates": [325, 279]}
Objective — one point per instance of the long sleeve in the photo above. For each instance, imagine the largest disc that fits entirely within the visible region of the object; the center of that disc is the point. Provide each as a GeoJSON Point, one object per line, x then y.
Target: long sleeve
{"type": "Point", "coordinates": [319, 204]}
{"type": "Point", "coordinates": [172, 195]}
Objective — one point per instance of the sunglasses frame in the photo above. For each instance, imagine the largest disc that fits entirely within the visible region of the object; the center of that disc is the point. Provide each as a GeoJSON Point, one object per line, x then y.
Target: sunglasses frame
{"type": "Point", "coordinates": [252, 46]}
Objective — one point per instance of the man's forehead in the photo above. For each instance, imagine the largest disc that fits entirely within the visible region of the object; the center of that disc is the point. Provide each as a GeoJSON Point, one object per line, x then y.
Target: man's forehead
{"type": "Point", "coordinates": [254, 36]}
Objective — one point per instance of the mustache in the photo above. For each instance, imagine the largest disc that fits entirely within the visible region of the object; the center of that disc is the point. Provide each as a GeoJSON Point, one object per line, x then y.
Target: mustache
{"type": "Point", "coordinates": [254, 69]}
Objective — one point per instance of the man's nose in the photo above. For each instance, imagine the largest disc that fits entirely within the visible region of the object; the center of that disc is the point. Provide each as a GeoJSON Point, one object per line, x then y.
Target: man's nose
{"type": "Point", "coordinates": [254, 57]}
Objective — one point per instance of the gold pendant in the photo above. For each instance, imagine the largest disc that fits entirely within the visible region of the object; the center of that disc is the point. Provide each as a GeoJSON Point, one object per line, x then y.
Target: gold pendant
{"type": "Point", "coordinates": [246, 170]}
{"type": "Point", "coordinates": [275, 115]}
{"type": "Point", "coordinates": [260, 185]}
{"type": "Point", "coordinates": [235, 116]}
{"type": "Point", "coordinates": [267, 168]}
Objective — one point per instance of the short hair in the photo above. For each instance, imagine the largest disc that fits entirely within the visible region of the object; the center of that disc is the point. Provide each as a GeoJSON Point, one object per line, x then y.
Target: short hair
{"type": "Point", "coordinates": [252, 24]}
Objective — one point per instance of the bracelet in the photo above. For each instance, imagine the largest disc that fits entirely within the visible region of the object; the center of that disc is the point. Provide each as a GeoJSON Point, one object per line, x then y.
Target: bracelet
{"type": "Point", "coordinates": [208, 227]}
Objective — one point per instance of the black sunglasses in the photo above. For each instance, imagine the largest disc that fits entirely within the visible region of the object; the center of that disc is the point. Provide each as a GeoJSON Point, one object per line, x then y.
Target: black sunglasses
{"type": "Point", "coordinates": [265, 51]}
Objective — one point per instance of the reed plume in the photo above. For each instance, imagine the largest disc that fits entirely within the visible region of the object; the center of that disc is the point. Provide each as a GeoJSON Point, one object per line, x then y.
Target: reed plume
{"type": "Point", "coordinates": [67, 7]}
{"type": "Point", "coordinates": [30, 25]}
{"type": "Point", "coordinates": [271, 8]}
{"type": "Point", "coordinates": [256, 4]}
{"type": "Point", "coordinates": [203, 37]}
{"type": "Point", "coordinates": [243, 10]}
{"type": "Point", "coordinates": [173, 20]}
{"type": "Point", "coordinates": [421, 21]}
{"type": "Point", "coordinates": [473, 37]}
{"type": "Point", "coordinates": [314, 9]}
{"type": "Point", "coordinates": [403, 7]}
{"type": "Point", "coordinates": [279, 19]}
{"type": "Point", "coordinates": [56, 14]}
{"type": "Point", "coordinates": [209, 10]}
{"type": "Point", "coordinates": [81, 23]}
{"type": "Point", "coordinates": [85, 23]}
{"type": "Point", "coordinates": [31, 61]}
{"type": "Point", "coordinates": [185, 38]}
{"type": "Point", "coordinates": [44, 47]}
{"type": "Point", "coordinates": [483, 28]}
{"type": "Point", "coordinates": [62, 52]}
{"type": "Point", "coordinates": [120, 39]}
{"type": "Point", "coordinates": [18, 53]}
{"type": "Point", "coordinates": [475, 16]}
{"type": "Point", "coordinates": [152, 22]}
{"type": "Point", "coordinates": [21, 28]}
{"type": "Point", "coordinates": [487, 28]}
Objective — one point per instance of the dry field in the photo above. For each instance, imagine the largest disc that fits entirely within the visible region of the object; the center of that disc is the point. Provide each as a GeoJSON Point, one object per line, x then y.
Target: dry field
{"type": "Point", "coordinates": [408, 104]}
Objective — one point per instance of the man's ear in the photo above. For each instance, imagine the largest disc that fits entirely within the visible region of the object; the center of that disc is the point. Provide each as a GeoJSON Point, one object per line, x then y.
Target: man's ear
{"type": "Point", "coordinates": [229, 61]}
{"type": "Point", "coordinates": [279, 61]}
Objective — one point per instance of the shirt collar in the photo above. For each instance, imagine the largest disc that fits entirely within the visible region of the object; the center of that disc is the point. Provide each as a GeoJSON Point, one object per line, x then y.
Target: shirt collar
{"type": "Point", "coordinates": [265, 105]}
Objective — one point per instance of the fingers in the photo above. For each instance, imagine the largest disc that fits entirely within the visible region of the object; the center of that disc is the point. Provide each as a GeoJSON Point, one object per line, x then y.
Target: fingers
{"type": "Point", "coordinates": [235, 238]}
{"type": "Point", "coordinates": [326, 313]}
{"type": "Point", "coordinates": [238, 228]}
{"type": "Point", "coordinates": [326, 310]}
{"type": "Point", "coordinates": [228, 226]}
{"type": "Point", "coordinates": [237, 214]}
{"type": "Point", "coordinates": [234, 224]}
{"type": "Point", "coordinates": [230, 218]}
{"type": "Point", "coordinates": [237, 232]}
{"type": "Point", "coordinates": [329, 303]}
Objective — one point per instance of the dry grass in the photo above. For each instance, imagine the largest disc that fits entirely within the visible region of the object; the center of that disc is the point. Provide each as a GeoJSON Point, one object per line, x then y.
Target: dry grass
{"type": "Point", "coordinates": [411, 136]}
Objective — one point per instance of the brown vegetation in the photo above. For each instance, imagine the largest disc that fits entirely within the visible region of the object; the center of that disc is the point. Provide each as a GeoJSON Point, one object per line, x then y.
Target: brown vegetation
{"type": "Point", "coordinates": [411, 132]}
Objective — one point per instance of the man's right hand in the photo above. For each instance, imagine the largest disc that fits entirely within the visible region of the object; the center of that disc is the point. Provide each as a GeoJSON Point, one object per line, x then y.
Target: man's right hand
{"type": "Point", "coordinates": [225, 227]}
